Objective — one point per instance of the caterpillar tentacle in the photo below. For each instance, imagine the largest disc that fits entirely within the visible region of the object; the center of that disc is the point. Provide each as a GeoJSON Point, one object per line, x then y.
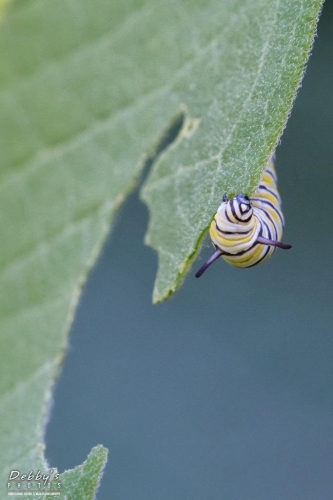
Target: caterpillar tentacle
{"type": "Point", "coordinates": [273, 243]}
{"type": "Point", "coordinates": [210, 261]}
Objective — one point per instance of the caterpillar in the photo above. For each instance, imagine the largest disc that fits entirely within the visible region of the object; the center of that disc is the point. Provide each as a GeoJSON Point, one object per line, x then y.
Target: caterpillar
{"type": "Point", "coordinates": [246, 230]}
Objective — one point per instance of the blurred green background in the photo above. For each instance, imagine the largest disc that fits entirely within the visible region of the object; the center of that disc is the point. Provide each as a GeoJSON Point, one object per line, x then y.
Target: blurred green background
{"type": "Point", "coordinates": [225, 391]}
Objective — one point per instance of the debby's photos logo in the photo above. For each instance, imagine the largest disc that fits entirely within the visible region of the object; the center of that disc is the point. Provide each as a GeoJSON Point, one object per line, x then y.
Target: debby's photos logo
{"type": "Point", "coordinates": [33, 483]}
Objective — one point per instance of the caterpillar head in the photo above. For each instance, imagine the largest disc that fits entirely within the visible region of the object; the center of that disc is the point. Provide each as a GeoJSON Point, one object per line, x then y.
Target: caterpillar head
{"type": "Point", "coordinates": [239, 209]}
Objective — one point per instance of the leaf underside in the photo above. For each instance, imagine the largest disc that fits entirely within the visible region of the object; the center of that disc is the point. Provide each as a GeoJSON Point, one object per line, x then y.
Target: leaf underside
{"type": "Point", "coordinates": [88, 93]}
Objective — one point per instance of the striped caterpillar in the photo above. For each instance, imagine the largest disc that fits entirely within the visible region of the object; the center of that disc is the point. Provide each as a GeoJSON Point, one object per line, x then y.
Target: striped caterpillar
{"type": "Point", "coordinates": [245, 231]}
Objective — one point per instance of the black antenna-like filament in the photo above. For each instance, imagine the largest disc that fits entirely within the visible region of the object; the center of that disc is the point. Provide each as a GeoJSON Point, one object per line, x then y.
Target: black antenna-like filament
{"type": "Point", "coordinates": [218, 253]}
{"type": "Point", "coordinates": [210, 261]}
{"type": "Point", "coordinates": [273, 243]}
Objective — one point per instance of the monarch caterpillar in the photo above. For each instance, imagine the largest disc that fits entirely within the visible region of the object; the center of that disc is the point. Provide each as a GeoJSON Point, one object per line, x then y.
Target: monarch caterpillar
{"type": "Point", "coordinates": [245, 231]}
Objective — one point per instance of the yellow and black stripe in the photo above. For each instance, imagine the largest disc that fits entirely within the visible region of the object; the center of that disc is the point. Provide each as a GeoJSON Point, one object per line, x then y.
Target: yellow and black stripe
{"type": "Point", "coordinates": [245, 231]}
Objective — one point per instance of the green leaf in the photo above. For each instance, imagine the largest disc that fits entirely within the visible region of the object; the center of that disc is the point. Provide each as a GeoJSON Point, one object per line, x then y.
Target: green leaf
{"type": "Point", "coordinates": [240, 87]}
{"type": "Point", "coordinates": [89, 92]}
{"type": "Point", "coordinates": [81, 483]}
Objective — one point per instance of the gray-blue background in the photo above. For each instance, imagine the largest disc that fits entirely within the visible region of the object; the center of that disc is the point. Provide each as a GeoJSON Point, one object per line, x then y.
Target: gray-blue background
{"type": "Point", "coordinates": [226, 390]}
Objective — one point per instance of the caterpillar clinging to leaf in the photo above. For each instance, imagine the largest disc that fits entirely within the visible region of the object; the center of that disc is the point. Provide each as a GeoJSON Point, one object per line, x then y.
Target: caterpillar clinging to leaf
{"type": "Point", "coordinates": [245, 231]}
